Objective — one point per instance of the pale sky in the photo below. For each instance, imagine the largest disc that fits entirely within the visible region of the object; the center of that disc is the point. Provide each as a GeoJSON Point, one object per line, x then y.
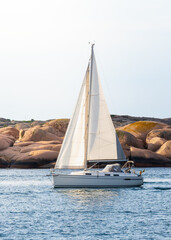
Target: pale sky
{"type": "Point", "coordinates": [44, 53]}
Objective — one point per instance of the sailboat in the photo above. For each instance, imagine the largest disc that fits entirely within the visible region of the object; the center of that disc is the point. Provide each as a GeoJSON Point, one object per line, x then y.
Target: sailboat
{"type": "Point", "coordinates": [91, 138]}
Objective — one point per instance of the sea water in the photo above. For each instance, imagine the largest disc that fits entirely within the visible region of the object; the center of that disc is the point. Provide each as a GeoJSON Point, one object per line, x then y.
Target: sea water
{"type": "Point", "coordinates": [30, 208]}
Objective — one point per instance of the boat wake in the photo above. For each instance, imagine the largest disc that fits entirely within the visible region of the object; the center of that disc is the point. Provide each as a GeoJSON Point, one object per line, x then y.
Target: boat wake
{"type": "Point", "coordinates": [157, 180]}
{"type": "Point", "coordinates": [158, 183]}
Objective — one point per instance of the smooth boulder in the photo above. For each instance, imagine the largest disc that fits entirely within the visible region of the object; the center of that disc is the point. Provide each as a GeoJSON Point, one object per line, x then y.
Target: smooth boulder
{"type": "Point", "coordinates": [31, 154]}
{"type": "Point", "coordinates": [39, 133]}
{"type": "Point", "coordinates": [140, 129]}
{"type": "Point", "coordinates": [6, 141]}
{"type": "Point", "coordinates": [153, 144]}
{"type": "Point", "coordinates": [60, 125]}
{"type": "Point", "coordinates": [128, 139]}
{"type": "Point", "coordinates": [165, 149]}
{"type": "Point", "coordinates": [160, 133]}
{"type": "Point", "coordinates": [10, 131]}
{"type": "Point", "coordinates": [147, 158]}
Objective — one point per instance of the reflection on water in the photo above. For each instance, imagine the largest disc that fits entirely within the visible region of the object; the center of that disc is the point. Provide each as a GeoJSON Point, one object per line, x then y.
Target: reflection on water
{"type": "Point", "coordinates": [89, 195]}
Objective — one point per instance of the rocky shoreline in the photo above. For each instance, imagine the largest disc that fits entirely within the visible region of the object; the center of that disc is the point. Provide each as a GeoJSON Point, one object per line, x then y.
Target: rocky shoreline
{"type": "Point", "coordinates": [36, 144]}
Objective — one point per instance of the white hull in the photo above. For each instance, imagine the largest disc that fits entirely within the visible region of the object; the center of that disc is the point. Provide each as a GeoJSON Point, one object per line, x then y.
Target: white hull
{"type": "Point", "coordinates": [96, 181]}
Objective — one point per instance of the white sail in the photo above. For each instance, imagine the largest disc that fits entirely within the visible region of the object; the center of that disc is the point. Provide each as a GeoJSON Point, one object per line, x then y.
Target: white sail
{"type": "Point", "coordinates": [90, 135]}
{"type": "Point", "coordinates": [72, 152]}
{"type": "Point", "coordinates": [103, 143]}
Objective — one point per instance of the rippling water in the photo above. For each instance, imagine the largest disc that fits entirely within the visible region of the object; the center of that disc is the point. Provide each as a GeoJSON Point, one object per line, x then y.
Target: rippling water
{"type": "Point", "coordinates": [31, 209]}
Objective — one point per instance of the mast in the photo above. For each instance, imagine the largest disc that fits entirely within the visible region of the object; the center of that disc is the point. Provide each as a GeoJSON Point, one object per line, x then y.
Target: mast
{"type": "Point", "coordinates": [87, 105]}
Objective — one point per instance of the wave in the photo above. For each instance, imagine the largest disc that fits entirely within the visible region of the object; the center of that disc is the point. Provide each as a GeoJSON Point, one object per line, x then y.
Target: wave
{"type": "Point", "coordinates": [157, 180]}
{"type": "Point", "coordinates": [162, 188]}
{"type": "Point", "coordinates": [25, 183]}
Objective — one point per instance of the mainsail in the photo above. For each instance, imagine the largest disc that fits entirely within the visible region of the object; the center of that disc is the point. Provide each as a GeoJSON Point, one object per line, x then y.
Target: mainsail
{"type": "Point", "coordinates": [103, 142]}
{"type": "Point", "coordinates": [90, 135]}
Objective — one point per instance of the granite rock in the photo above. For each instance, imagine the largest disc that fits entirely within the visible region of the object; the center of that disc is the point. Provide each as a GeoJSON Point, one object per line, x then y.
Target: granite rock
{"type": "Point", "coordinates": [165, 149]}
{"type": "Point", "coordinates": [147, 158]}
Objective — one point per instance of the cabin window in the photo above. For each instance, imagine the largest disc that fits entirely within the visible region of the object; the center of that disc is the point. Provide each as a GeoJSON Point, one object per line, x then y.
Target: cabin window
{"type": "Point", "coordinates": [115, 174]}
{"type": "Point", "coordinates": [107, 174]}
{"type": "Point", "coordinates": [87, 173]}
